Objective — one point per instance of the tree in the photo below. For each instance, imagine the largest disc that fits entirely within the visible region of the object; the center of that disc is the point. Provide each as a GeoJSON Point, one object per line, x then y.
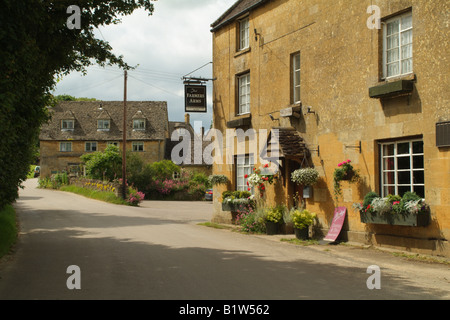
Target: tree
{"type": "Point", "coordinates": [36, 48]}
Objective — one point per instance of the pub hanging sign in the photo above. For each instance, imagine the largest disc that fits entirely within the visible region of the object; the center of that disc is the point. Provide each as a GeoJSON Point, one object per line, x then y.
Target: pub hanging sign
{"type": "Point", "coordinates": [195, 98]}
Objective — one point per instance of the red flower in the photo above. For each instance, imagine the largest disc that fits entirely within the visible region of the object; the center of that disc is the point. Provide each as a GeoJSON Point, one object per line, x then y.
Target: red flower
{"type": "Point", "coordinates": [266, 165]}
{"type": "Point", "coordinates": [263, 188]}
{"type": "Point", "coordinates": [246, 176]}
{"type": "Point", "coordinates": [249, 189]}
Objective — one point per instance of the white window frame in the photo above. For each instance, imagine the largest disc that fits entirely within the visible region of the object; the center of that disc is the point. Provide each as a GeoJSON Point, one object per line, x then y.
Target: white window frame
{"type": "Point", "coordinates": [389, 168]}
{"type": "Point", "coordinates": [296, 78]}
{"type": "Point", "coordinates": [103, 125]}
{"type": "Point", "coordinates": [402, 55]}
{"type": "Point", "coordinates": [137, 146]}
{"type": "Point", "coordinates": [244, 33]}
{"type": "Point", "coordinates": [67, 125]}
{"type": "Point", "coordinates": [90, 146]}
{"type": "Point", "coordinates": [65, 146]}
{"type": "Point", "coordinates": [244, 166]}
{"type": "Point", "coordinates": [138, 124]}
{"type": "Point", "coordinates": [244, 94]}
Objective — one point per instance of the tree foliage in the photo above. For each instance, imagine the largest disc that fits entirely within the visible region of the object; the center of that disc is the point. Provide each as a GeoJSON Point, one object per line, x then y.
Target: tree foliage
{"type": "Point", "coordinates": [36, 49]}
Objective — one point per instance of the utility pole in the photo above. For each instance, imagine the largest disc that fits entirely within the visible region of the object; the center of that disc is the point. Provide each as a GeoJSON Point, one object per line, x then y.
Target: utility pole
{"type": "Point", "coordinates": [124, 140]}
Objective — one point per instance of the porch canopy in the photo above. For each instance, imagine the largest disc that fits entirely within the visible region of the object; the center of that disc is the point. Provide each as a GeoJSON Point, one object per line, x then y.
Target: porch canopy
{"type": "Point", "coordinates": [285, 143]}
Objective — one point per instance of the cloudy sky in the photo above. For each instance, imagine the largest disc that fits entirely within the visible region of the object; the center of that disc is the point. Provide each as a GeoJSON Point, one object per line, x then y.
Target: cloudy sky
{"type": "Point", "coordinates": [171, 43]}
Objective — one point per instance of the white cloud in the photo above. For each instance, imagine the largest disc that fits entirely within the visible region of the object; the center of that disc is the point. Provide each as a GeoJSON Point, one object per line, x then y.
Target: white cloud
{"type": "Point", "coordinates": [172, 42]}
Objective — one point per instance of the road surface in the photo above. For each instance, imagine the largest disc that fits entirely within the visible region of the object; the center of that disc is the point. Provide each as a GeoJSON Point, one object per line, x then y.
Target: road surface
{"type": "Point", "coordinates": [159, 252]}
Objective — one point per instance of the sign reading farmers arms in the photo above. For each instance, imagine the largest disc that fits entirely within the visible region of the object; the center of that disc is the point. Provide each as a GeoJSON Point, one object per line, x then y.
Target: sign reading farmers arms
{"type": "Point", "coordinates": [195, 98]}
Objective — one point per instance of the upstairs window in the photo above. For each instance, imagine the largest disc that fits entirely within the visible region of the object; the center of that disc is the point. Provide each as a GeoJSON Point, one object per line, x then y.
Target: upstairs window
{"type": "Point", "coordinates": [295, 81]}
{"type": "Point", "coordinates": [244, 34]}
{"type": "Point", "coordinates": [65, 146]}
{"type": "Point", "coordinates": [139, 124]}
{"type": "Point", "coordinates": [67, 125]}
{"type": "Point", "coordinates": [244, 94]}
{"type": "Point", "coordinates": [90, 146]}
{"type": "Point", "coordinates": [103, 125]}
{"type": "Point", "coordinates": [398, 46]}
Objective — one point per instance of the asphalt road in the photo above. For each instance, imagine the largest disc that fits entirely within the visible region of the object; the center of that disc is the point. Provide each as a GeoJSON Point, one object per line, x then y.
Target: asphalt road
{"type": "Point", "coordinates": [159, 252]}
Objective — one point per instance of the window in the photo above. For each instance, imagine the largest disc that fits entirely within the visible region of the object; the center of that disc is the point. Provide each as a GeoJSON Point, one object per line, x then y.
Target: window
{"type": "Point", "coordinates": [67, 125]}
{"type": "Point", "coordinates": [65, 146]}
{"type": "Point", "coordinates": [103, 125]}
{"type": "Point", "coordinates": [244, 166]}
{"type": "Point", "coordinates": [244, 34]}
{"type": "Point", "coordinates": [139, 124]}
{"type": "Point", "coordinates": [402, 168]}
{"type": "Point", "coordinates": [398, 48]}
{"type": "Point", "coordinates": [138, 146]}
{"type": "Point", "coordinates": [244, 93]}
{"type": "Point", "coordinates": [295, 81]}
{"type": "Point", "coordinates": [90, 146]}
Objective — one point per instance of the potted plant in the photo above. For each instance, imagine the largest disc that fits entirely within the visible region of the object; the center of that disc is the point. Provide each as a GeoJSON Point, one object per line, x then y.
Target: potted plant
{"type": "Point", "coordinates": [344, 171]}
{"type": "Point", "coordinates": [273, 219]}
{"type": "Point", "coordinates": [306, 177]}
{"type": "Point", "coordinates": [302, 219]}
{"type": "Point", "coordinates": [235, 201]}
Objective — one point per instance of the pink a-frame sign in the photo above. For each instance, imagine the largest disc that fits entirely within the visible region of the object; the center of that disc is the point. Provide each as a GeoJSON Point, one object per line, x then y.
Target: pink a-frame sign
{"type": "Point", "coordinates": [336, 224]}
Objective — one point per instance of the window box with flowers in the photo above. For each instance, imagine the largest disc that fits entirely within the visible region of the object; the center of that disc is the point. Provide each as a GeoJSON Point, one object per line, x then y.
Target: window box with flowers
{"type": "Point", "coordinates": [409, 210]}
{"type": "Point", "coordinates": [307, 177]}
{"type": "Point", "coordinates": [344, 172]}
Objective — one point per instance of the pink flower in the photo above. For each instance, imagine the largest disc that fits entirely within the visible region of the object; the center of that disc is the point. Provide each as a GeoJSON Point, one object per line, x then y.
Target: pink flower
{"type": "Point", "coordinates": [396, 202]}
{"type": "Point", "coordinates": [348, 161]}
{"type": "Point", "coordinates": [340, 164]}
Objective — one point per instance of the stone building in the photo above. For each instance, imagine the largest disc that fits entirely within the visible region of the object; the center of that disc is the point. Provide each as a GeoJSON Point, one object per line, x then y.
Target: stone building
{"type": "Point", "coordinates": [361, 80]}
{"type": "Point", "coordinates": [79, 127]}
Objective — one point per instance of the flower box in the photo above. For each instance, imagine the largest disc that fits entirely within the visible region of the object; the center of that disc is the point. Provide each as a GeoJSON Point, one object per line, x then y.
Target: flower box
{"type": "Point", "coordinates": [397, 219]}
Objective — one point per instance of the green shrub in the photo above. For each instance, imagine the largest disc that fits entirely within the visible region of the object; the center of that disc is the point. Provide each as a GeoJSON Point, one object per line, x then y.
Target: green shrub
{"type": "Point", "coordinates": [369, 197]}
{"type": "Point", "coordinates": [8, 229]}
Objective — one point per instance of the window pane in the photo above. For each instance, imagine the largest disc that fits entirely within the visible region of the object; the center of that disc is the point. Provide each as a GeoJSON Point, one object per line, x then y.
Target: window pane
{"type": "Point", "coordinates": [403, 163]}
{"type": "Point", "coordinates": [417, 146]}
{"type": "Point", "coordinates": [389, 177]}
{"type": "Point", "coordinates": [392, 55]}
{"type": "Point", "coordinates": [403, 148]}
{"type": "Point", "coordinates": [393, 69]}
{"type": "Point", "coordinates": [404, 177]}
{"type": "Point", "coordinates": [388, 150]}
{"type": "Point", "coordinates": [407, 52]}
{"type": "Point", "coordinates": [419, 177]}
{"type": "Point", "coordinates": [407, 37]}
{"type": "Point", "coordinates": [392, 42]}
{"type": "Point", "coordinates": [420, 191]}
{"type": "Point", "coordinates": [406, 22]}
{"type": "Point", "coordinates": [393, 27]}
{"type": "Point", "coordinates": [418, 162]}
{"type": "Point", "coordinates": [388, 190]}
{"type": "Point", "coordinates": [388, 164]}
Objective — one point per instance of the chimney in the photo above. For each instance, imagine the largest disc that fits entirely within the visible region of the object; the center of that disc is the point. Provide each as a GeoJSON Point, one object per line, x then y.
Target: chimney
{"type": "Point", "coordinates": [187, 118]}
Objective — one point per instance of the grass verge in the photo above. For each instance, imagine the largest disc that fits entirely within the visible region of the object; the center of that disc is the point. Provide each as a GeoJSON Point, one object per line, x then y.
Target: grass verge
{"type": "Point", "coordinates": [300, 242]}
{"type": "Point", "coordinates": [93, 194]}
{"type": "Point", "coordinates": [8, 229]}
